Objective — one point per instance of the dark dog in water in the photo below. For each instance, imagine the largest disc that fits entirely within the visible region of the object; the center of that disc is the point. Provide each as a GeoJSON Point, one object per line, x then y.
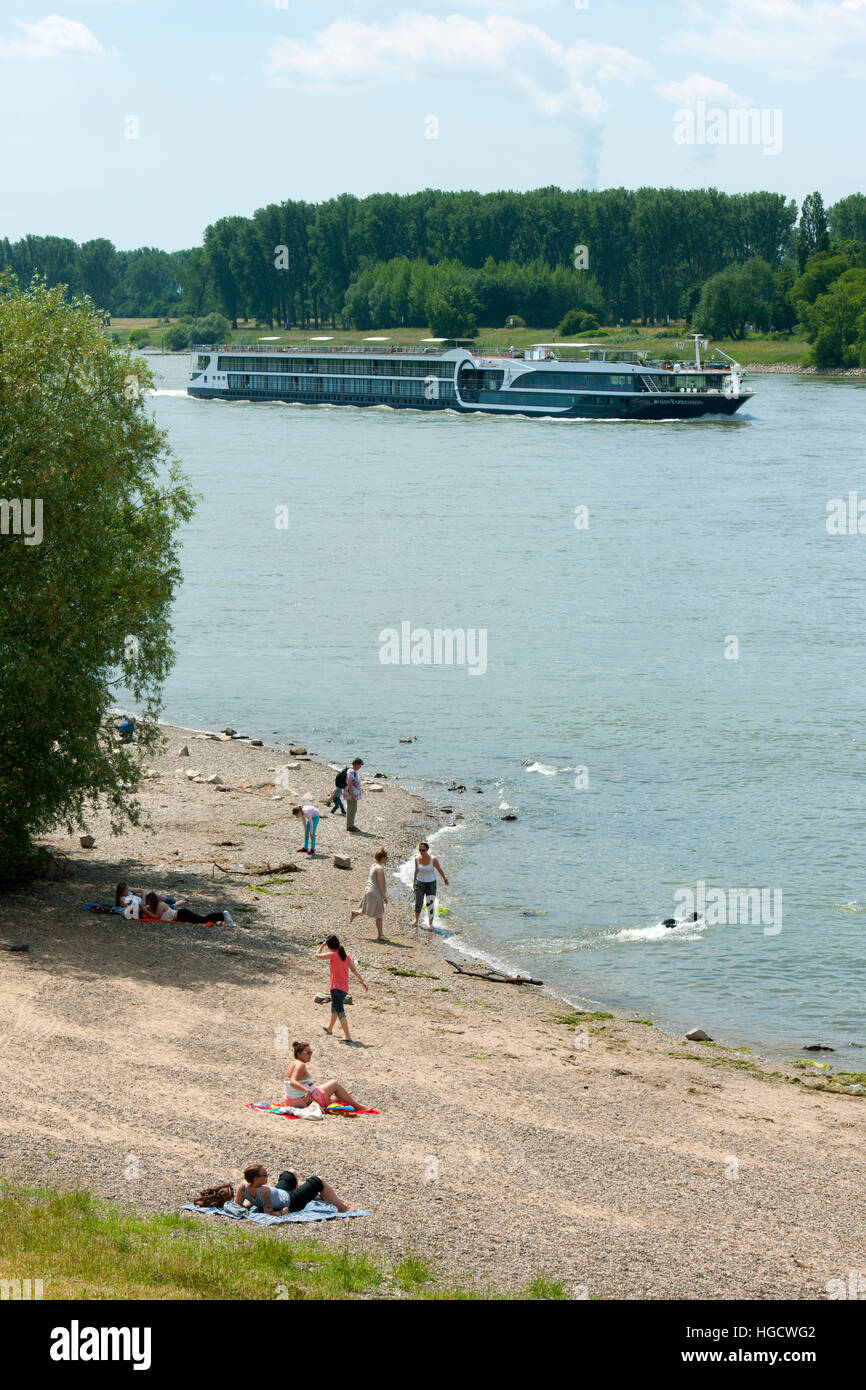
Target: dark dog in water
{"type": "Point", "coordinates": [672, 921]}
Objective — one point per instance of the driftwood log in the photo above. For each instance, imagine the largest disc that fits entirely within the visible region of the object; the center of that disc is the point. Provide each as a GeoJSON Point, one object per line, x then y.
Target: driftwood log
{"type": "Point", "coordinates": [256, 870]}
{"type": "Point", "coordinates": [496, 977]}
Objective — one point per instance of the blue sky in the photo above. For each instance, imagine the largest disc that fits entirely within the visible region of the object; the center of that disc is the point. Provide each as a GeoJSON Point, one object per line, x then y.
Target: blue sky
{"type": "Point", "coordinates": [143, 120]}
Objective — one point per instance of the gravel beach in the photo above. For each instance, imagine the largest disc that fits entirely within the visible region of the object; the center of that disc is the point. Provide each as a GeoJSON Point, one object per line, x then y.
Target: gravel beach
{"type": "Point", "coordinates": [602, 1152]}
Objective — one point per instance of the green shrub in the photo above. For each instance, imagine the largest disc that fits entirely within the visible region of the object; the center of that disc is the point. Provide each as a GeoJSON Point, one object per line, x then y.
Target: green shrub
{"type": "Point", "coordinates": [577, 321]}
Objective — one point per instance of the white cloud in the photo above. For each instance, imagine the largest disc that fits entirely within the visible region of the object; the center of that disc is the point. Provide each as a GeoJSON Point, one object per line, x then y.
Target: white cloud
{"type": "Point", "coordinates": [556, 77]}
{"type": "Point", "coordinates": [699, 88]}
{"type": "Point", "coordinates": [50, 36]}
{"type": "Point", "coordinates": [780, 34]}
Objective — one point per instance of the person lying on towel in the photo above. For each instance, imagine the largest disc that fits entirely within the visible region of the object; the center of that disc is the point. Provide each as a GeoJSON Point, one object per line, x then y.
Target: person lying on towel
{"type": "Point", "coordinates": [159, 911]}
{"type": "Point", "coordinates": [288, 1195]}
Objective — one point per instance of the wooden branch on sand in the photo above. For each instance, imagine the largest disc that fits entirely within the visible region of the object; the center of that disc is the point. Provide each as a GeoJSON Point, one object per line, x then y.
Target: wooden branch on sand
{"type": "Point", "coordinates": [496, 977]}
{"type": "Point", "coordinates": [256, 870]}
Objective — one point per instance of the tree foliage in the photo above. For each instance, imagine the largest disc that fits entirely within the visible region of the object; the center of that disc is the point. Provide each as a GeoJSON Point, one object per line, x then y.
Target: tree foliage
{"type": "Point", "coordinates": [813, 233]}
{"type": "Point", "coordinates": [86, 611]}
{"type": "Point", "coordinates": [735, 297]}
{"type": "Point", "coordinates": [296, 262]}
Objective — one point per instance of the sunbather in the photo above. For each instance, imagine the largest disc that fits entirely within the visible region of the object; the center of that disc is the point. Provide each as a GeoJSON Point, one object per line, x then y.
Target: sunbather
{"type": "Point", "coordinates": [287, 1196]}
{"type": "Point", "coordinates": [157, 907]}
{"type": "Point", "coordinates": [301, 1089]}
{"type": "Point", "coordinates": [131, 900]}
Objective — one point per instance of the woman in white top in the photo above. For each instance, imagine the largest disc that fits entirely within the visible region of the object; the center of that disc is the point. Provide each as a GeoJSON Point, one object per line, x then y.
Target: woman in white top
{"type": "Point", "coordinates": [159, 908]}
{"type": "Point", "coordinates": [424, 881]}
{"type": "Point", "coordinates": [301, 1089]}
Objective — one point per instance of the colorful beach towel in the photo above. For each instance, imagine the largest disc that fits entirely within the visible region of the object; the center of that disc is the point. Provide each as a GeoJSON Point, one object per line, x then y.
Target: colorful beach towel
{"type": "Point", "coordinates": [278, 1108]}
{"type": "Point", "coordinates": [313, 1211]}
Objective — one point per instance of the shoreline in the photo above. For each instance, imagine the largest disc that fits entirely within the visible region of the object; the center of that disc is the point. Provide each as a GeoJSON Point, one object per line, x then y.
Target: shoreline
{"type": "Point", "coordinates": [478, 952]}
{"type": "Point", "coordinates": [133, 1051]}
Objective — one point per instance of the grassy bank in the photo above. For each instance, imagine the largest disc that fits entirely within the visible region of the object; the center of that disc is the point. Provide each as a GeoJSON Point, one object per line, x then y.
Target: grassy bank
{"type": "Point", "coordinates": [83, 1248]}
{"type": "Point", "coordinates": [772, 349]}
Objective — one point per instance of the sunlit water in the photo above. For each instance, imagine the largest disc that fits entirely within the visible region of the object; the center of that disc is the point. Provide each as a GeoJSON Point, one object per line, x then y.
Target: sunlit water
{"type": "Point", "coordinates": [606, 652]}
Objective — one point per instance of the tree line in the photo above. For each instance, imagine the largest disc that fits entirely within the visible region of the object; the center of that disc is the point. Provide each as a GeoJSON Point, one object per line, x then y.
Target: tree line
{"type": "Point", "coordinates": [438, 258]}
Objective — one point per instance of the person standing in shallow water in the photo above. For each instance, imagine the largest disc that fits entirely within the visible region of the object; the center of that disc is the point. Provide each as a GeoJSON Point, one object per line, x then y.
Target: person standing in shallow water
{"type": "Point", "coordinates": [424, 881]}
{"type": "Point", "coordinates": [375, 898]}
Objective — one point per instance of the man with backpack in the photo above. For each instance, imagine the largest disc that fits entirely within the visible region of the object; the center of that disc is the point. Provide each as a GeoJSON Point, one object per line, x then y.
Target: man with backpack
{"type": "Point", "coordinates": [353, 791]}
{"type": "Point", "coordinates": [336, 801]}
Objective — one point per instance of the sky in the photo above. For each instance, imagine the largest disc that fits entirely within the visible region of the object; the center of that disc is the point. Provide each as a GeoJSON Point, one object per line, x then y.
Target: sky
{"type": "Point", "coordinates": [145, 120]}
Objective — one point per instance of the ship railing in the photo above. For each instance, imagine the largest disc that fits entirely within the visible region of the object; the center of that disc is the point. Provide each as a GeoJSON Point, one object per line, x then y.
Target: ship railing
{"type": "Point", "coordinates": [317, 349]}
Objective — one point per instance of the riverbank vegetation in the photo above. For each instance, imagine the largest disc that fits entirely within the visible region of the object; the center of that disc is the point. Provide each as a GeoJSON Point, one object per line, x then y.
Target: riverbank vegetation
{"type": "Point", "coordinates": [738, 268]}
{"type": "Point", "coordinates": [88, 593]}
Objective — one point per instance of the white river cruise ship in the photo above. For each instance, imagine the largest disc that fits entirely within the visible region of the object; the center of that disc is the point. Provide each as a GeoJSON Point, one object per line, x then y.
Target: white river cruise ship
{"type": "Point", "coordinates": [583, 380]}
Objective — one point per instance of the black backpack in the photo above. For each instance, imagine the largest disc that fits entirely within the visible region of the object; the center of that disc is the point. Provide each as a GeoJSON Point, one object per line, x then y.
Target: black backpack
{"type": "Point", "coordinates": [341, 779]}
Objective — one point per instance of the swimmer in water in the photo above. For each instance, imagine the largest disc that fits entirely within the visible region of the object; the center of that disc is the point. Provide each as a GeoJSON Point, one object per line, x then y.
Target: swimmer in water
{"type": "Point", "coordinates": [672, 921]}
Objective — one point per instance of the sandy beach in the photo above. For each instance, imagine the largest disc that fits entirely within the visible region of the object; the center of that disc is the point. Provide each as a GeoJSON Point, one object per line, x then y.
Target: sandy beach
{"type": "Point", "coordinates": [623, 1161]}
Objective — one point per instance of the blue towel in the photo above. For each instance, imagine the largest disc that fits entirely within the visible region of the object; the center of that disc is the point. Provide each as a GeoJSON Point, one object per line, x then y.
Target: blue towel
{"type": "Point", "coordinates": [313, 1211]}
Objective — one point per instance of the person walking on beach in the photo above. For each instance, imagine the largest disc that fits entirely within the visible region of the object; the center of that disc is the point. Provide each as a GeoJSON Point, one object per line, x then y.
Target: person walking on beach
{"type": "Point", "coordinates": [353, 792]}
{"type": "Point", "coordinates": [424, 882]}
{"type": "Point", "coordinates": [310, 816]}
{"type": "Point", "coordinates": [341, 964]}
{"type": "Point", "coordinates": [375, 898]}
{"type": "Point", "coordinates": [336, 801]}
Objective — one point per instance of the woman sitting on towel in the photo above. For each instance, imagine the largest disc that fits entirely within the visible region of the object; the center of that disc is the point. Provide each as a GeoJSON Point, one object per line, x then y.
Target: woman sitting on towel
{"type": "Point", "coordinates": [301, 1089]}
{"type": "Point", "coordinates": [287, 1196]}
{"type": "Point", "coordinates": [157, 907]}
{"type": "Point", "coordinates": [128, 900]}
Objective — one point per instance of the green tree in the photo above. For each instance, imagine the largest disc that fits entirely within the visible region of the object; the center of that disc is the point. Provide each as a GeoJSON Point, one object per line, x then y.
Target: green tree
{"type": "Point", "coordinates": [452, 309]}
{"type": "Point", "coordinates": [813, 233]}
{"type": "Point", "coordinates": [577, 321]}
{"type": "Point", "coordinates": [736, 296]}
{"type": "Point", "coordinates": [97, 266]}
{"type": "Point", "coordinates": [213, 328]}
{"type": "Point", "coordinates": [783, 314]}
{"type": "Point", "coordinates": [177, 337]}
{"type": "Point", "coordinates": [836, 322]}
{"type": "Point", "coordinates": [85, 609]}
{"type": "Point", "coordinates": [848, 219]}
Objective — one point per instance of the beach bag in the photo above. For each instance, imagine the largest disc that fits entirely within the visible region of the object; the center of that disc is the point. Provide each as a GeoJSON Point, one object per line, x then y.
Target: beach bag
{"type": "Point", "coordinates": [341, 779]}
{"type": "Point", "coordinates": [215, 1196]}
{"type": "Point", "coordinates": [313, 1111]}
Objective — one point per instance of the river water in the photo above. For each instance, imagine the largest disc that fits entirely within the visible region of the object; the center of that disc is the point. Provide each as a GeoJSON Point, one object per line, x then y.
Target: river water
{"type": "Point", "coordinates": [671, 693]}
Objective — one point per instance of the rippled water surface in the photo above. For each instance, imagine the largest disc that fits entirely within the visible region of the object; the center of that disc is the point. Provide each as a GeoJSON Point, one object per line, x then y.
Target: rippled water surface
{"type": "Point", "coordinates": [640, 758]}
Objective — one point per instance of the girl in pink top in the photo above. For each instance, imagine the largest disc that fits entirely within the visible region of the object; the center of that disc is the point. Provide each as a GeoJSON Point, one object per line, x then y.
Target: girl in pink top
{"type": "Point", "coordinates": [341, 964]}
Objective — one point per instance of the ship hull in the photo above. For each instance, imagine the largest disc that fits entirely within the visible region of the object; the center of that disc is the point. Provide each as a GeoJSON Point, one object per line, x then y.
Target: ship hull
{"type": "Point", "coordinates": [639, 406]}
